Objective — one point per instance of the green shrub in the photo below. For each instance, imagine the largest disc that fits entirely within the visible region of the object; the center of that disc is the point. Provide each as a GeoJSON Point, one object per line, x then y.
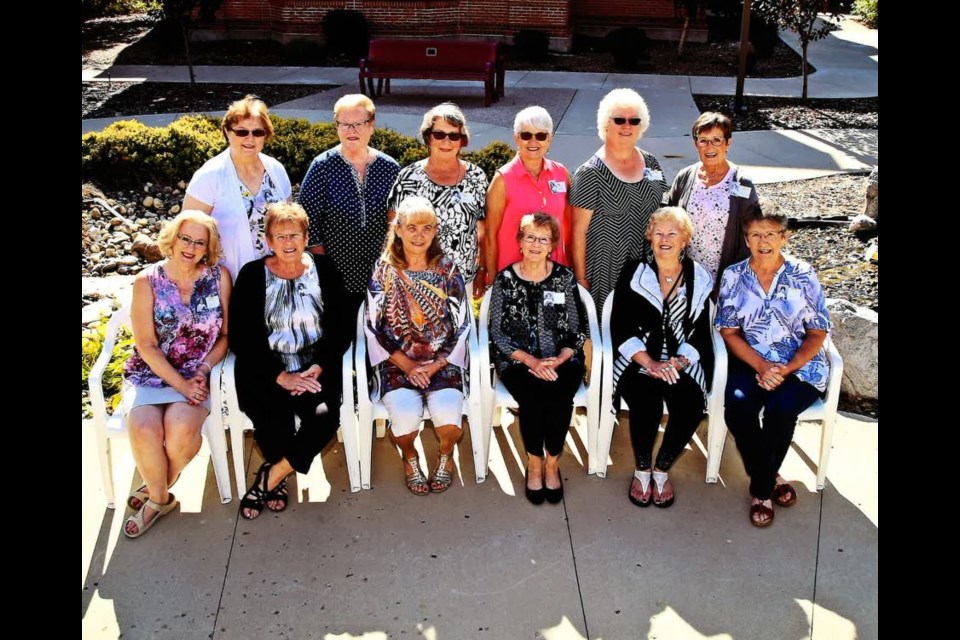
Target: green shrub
{"type": "Point", "coordinates": [91, 345]}
{"type": "Point", "coordinates": [628, 46]}
{"type": "Point", "coordinates": [303, 52]}
{"type": "Point", "coordinates": [346, 32]}
{"type": "Point", "coordinates": [532, 44]}
{"type": "Point", "coordinates": [868, 11]}
{"type": "Point", "coordinates": [128, 153]}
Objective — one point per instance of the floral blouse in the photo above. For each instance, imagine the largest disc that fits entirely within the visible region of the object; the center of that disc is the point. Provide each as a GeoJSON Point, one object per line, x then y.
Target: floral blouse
{"type": "Point", "coordinates": [775, 323]}
{"type": "Point", "coordinates": [256, 207]}
{"type": "Point", "coordinates": [541, 318]}
{"type": "Point", "coordinates": [186, 332]}
{"type": "Point", "coordinates": [458, 207]}
{"type": "Point", "coordinates": [424, 314]}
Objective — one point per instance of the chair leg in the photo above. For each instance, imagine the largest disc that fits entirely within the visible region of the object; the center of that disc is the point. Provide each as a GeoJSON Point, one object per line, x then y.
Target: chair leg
{"type": "Point", "coordinates": [716, 438]}
{"type": "Point", "coordinates": [236, 443]}
{"type": "Point", "coordinates": [351, 445]}
{"type": "Point", "coordinates": [217, 441]}
{"type": "Point", "coordinates": [106, 467]}
{"type": "Point", "coordinates": [826, 444]}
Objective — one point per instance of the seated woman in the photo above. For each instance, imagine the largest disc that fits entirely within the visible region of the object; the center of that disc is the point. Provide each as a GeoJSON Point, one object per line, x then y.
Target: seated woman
{"type": "Point", "coordinates": [773, 318]}
{"type": "Point", "coordinates": [538, 332]}
{"type": "Point", "coordinates": [289, 338]}
{"type": "Point", "coordinates": [417, 327]}
{"type": "Point", "coordinates": [179, 320]}
{"type": "Point", "coordinates": [660, 326]}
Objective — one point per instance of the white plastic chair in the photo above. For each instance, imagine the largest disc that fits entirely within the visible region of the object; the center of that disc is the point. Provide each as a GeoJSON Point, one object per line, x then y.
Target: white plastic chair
{"type": "Point", "coordinates": [823, 411]}
{"type": "Point", "coordinates": [369, 410]}
{"type": "Point", "coordinates": [609, 419]}
{"type": "Point", "coordinates": [109, 427]}
{"type": "Point", "coordinates": [239, 422]}
{"type": "Point", "coordinates": [496, 398]}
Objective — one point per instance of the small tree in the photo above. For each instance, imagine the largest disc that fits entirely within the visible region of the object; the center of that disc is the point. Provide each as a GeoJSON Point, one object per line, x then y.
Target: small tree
{"type": "Point", "coordinates": [181, 11]}
{"type": "Point", "coordinates": [800, 16]}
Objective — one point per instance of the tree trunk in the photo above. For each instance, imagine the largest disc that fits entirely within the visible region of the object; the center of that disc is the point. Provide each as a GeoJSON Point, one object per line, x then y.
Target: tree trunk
{"type": "Point", "coordinates": [804, 45]}
{"type": "Point", "coordinates": [186, 48]}
{"type": "Point", "coordinates": [683, 36]}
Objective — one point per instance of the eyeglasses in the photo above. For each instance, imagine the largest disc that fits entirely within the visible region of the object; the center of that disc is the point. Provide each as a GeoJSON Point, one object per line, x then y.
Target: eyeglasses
{"type": "Point", "coordinates": [346, 126]}
{"type": "Point", "coordinates": [769, 236]}
{"type": "Point", "coordinates": [539, 135]}
{"type": "Point", "coordinates": [243, 133]}
{"type": "Point", "coordinates": [187, 241]}
{"type": "Point", "coordinates": [620, 121]}
{"type": "Point", "coordinates": [716, 142]}
{"type": "Point", "coordinates": [440, 135]}
{"type": "Point", "coordinates": [284, 237]}
{"type": "Point", "coordinates": [531, 239]}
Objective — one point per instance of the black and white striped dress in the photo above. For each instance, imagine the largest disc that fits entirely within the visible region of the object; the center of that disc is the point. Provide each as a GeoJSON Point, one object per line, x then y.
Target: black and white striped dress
{"type": "Point", "coordinates": [621, 211]}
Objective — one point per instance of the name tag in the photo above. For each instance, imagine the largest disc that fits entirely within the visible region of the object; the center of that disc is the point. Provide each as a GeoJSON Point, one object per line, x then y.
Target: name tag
{"type": "Point", "coordinates": [213, 302]}
{"type": "Point", "coordinates": [654, 175]}
{"type": "Point", "coordinates": [741, 190]}
{"type": "Point", "coordinates": [467, 198]}
{"type": "Point", "coordinates": [558, 186]}
{"type": "Point", "coordinates": [554, 297]}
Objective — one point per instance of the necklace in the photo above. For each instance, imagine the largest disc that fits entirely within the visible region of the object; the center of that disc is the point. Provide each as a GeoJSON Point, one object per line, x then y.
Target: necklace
{"type": "Point", "coordinates": [671, 279]}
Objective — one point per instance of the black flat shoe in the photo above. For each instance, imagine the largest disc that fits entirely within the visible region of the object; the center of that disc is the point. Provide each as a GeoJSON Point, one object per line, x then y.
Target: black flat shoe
{"type": "Point", "coordinates": [535, 496]}
{"type": "Point", "coordinates": [554, 496]}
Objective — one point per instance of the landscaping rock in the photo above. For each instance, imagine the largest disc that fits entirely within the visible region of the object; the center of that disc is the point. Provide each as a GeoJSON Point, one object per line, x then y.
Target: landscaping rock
{"type": "Point", "coordinates": [856, 334]}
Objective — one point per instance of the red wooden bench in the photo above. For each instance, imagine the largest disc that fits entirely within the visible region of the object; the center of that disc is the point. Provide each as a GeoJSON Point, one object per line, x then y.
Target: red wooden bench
{"type": "Point", "coordinates": [435, 60]}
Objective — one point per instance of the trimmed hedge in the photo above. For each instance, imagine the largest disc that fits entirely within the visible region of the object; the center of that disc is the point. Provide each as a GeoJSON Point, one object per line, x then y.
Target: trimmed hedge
{"type": "Point", "coordinates": [128, 153]}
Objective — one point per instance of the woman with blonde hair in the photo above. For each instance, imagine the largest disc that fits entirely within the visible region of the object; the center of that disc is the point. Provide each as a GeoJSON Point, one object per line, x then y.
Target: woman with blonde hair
{"type": "Point", "coordinates": [179, 320]}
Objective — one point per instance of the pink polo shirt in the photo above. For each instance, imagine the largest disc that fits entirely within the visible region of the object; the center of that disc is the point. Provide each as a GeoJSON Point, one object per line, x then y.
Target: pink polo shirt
{"type": "Point", "coordinates": [525, 195]}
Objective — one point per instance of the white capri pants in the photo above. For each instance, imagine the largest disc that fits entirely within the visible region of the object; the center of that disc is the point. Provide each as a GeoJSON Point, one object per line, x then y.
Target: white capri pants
{"type": "Point", "coordinates": [406, 409]}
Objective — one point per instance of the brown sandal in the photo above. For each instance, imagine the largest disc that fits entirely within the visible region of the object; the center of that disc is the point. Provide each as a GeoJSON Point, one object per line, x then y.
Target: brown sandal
{"type": "Point", "coordinates": [784, 494]}
{"type": "Point", "coordinates": [758, 510]}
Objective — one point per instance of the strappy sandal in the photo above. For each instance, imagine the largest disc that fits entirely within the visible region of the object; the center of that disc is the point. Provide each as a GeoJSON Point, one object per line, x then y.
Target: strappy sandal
{"type": "Point", "coordinates": [758, 510]}
{"type": "Point", "coordinates": [643, 477]}
{"type": "Point", "coordinates": [277, 494]}
{"type": "Point", "coordinates": [659, 482]}
{"type": "Point", "coordinates": [255, 496]}
{"type": "Point", "coordinates": [417, 482]}
{"type": "Point", "coordinates": [137, 518]}
{"type": "Point", "coordinates": [136, 498]}
{"type": "Point", "coordinates": [784, 494]}
{"type": "Point", "coordinates": [442, 479]}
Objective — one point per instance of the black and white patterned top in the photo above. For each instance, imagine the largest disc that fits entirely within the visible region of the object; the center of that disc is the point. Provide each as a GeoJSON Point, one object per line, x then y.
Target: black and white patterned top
{"type": "Point", "coordinates": [459, 208]}
{"type": "Point", "coordinates": [349, 216]}
{"type": "Point", "coordinates": [709, 209]}
{"type": "Point", "coordinates": [293, 315]}
{"type": "Point", "coordinates": [541, 318]}
{"type": "Point", "coordinates": [621, 211]}
{"type": "Point", "coordinates": [255, 205]}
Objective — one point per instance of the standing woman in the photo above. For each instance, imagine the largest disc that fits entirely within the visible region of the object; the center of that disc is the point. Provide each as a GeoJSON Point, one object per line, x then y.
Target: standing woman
{"type": "Point", "coordinates": [613, 195]}
{"type": "Point", "coordinates": [457, 189]}
{"type": "Point", "coordinates": [345, 196]}
{"type": "Point", "coordinates": [289, 338]}
{"type": "Point", "coordinates": [179, 320]}
{"type": "Point", "coordinates": [774, 320]}
{"type": "Point", "coordinates": [529, 183]}
{"type": "Point", "coordinates": [716, 194]}
{"type": "Point", "coordinates": [537, 333]}
{"type": "Point", "coordinates": [660, 325]}
{"type": "Point", "coordinates": [236, 186]}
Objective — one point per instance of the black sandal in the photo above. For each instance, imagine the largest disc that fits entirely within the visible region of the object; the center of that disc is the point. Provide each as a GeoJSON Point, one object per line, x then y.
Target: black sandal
{"type": "Point", "coordinates": [277, 494]}
{"type": "Point", "coordinates": [256, 494]}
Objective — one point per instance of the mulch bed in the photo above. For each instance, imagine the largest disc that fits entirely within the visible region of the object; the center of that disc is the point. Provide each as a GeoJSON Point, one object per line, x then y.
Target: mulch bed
{"type": "Point", "coordinates": [765, 113]}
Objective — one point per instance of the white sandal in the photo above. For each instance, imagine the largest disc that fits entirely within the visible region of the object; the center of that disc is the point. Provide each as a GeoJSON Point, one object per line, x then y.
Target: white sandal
{"type": "Point", "coordinates": [644, 478]}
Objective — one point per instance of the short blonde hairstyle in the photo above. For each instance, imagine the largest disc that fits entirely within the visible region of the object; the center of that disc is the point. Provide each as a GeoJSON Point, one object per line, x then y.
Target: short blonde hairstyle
{"type": "Point", "coordinates": [170, 231]}
{"type": "Point", "coordinates": [449, 113]}
{"type": "Point", "coordinates": [671, 214]}
{"type": "Point", "coordinates": [250, 106]}
{"type": "Point", "coordinates": [541, 220]}
{"type": "Point", "coordinates": [352, 100]}
{"type": "Point", "coordinates": [412, 208]}
{"type": "Point", "coordinates": [279, 212]}
{"type": "Point", "coordinates": [621, 98]}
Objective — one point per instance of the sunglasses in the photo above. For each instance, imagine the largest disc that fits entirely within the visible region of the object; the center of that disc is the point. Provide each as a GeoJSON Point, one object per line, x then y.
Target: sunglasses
{"type": "Point", "coordinates": [243, 133]}
{"type": "Point", "coordinates": [539, 135]}
{"type": "Point", "coordinates": [620, 121]}
{"type": "Point", "coordinates": [453, 135]}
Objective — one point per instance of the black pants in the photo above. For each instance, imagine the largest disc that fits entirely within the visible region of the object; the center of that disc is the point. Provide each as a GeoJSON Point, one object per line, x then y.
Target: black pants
{"type": "Point", "coordinates": [646, 396]}
{"type": "Point", "coordinates": [273, 419]}
{"type": "Point", "coordinates": [763, 447]}
{"type": "Point", "coordinates": [545, 406]}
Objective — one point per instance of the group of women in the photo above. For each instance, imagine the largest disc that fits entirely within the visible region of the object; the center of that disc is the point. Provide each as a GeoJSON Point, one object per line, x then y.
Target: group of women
{"type": "Point", "coordinates": [415, 245]}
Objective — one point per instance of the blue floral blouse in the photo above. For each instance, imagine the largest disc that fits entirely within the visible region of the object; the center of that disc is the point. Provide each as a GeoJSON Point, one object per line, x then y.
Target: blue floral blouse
{"type": "Point", "coordinates": [776, 323]}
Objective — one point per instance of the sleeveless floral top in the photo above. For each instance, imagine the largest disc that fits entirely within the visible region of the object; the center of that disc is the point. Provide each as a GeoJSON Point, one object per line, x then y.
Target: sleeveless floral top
{"type": "Point", "coordinates": [186, 333]}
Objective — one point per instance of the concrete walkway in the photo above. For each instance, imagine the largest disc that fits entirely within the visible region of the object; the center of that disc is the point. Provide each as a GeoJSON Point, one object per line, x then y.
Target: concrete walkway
{"type": "Point", "coordinates": [846, 62]}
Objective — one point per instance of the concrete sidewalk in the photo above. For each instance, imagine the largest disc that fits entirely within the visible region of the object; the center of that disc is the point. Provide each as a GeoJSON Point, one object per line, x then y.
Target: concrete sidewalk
{"type": "Point", "coordinates": [846, 63]}
{"type": "Point", "coordinates": [481, 562]}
